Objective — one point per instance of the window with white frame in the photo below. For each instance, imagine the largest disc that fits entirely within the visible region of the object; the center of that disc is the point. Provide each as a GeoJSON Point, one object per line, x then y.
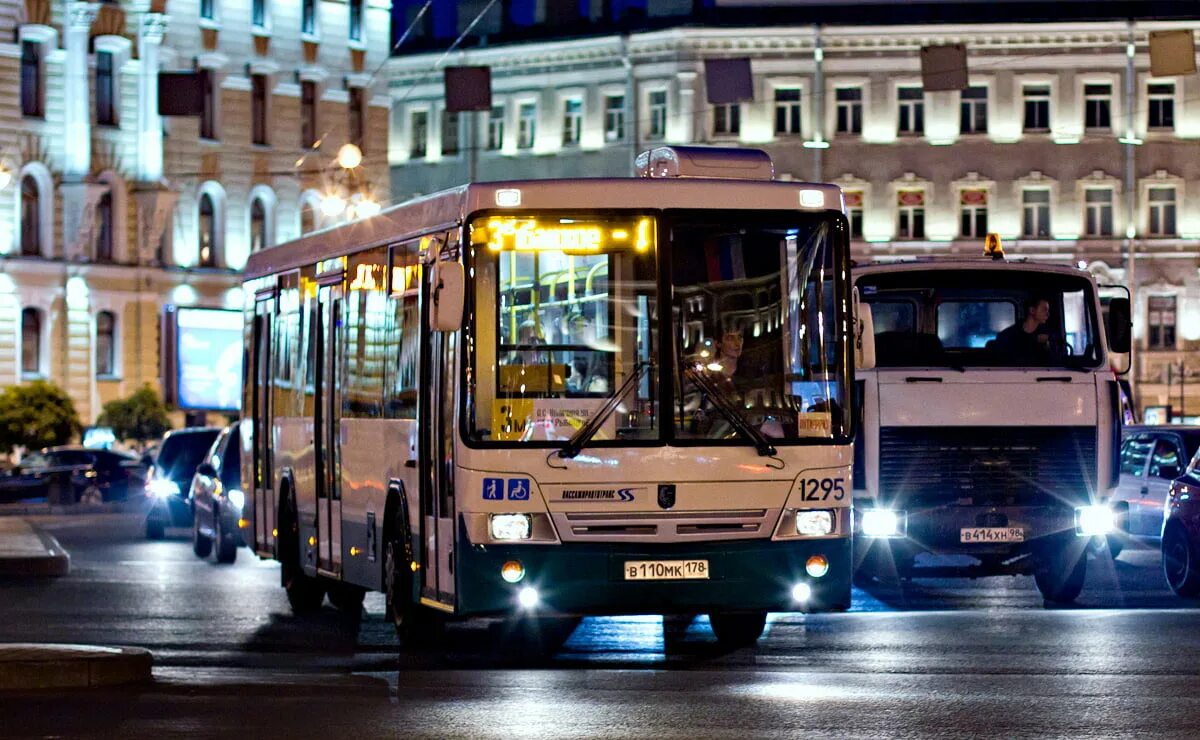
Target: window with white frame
{"type": "Point", "coordinates": [104, 228]}
{"type": "Point", "coordinates": [658, 114]}
{"type": "Point", "coordinates": [854, 212]}
{"type": "Point", "coordinates": [973, 111]}
{"type": "Point", "coordinates": [1037, 108]}
{"type": "Point", "coordinates": [208, 10]}
{"type": "Point", "coordinates": [1161, 201]}
{"type": "Point", "coordinates": [31, 217]}
{"type": "Point", "coordinates": [1161, 101]}
{"type": "Point", "coordinates": [912, 110]}
{"type": "Point", "coordinates": [1160, 322]}
{"type": "Point", "coordinates": [208, 104]}
{"type": "Point", "coordinates": [106, 88]}
{"type": "Point", "coordinates": [727, 119]}
{"type": "Point", "coordinates": [572, 121]}
{"type": "Point", "coordinates": [33, 82]}
{"type": "Point", "coordinates": [258, 225]}
{"type": "Point", "coordinates": [910, 212]}
{"type": "Point", "coordinates": [1099, 212]}
{"type": "Point", "coordinates": [614, 117]}
{"type": "Point", "coordinates": [308, 17]}
{"type": "Point", "coordinates": [356, 20]}
{"type": "Point", "coordinates": [208, 231]}
{"type": "Point", "coordinates": [308, 114]}
{"type": "Point", "coordinates": [1097, 107]}
{"type": "Point", "coordinates": [973, 213]}
{"type": "Point", "coordinates": [1035, 204]}
{"type": "Point", "coordinates": [787, 111]}
{"type": "Point", "coordinates": [495, 129]}
{"type": "Point", "coordinates": [258, 14]}
{"type": "Point", "coordinates": [106, 344]}
{"type": "Point", "coordinates": [31, 342]}
{"type": "Point", "coordinates": [418, 134]}
{"type": "Point", "coordinates": [526, 125]}
{"type": "Point", "coordinates": [450, 136]}
{"type": "Point", "coordinates": [849, 110]}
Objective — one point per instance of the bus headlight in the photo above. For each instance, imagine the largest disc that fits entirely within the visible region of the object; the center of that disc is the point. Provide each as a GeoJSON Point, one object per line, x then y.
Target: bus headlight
{"type": "Point", "coordinates": [882, 523]}
{"type": "Point", "coordinates": [1092, 521]}
{"type": "Point", "coordinates": [814, 523]}
{"type": "Point", "coordinates": [511, 527]}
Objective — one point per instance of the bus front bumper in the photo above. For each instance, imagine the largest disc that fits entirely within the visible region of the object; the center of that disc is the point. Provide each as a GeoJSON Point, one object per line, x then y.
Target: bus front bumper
{"type": "Point", "coordinates": [592, 579]}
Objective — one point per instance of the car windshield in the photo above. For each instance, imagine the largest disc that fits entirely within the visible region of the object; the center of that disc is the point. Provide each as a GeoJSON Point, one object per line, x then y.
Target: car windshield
{"type": "Point", "coordinates": [180, 454]}
{"type": "Point", "coordinates": [68, 457]}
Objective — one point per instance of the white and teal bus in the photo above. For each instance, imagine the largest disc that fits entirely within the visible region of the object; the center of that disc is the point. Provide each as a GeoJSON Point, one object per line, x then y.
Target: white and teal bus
{"type": "Point", "coordinates": [569, 397]}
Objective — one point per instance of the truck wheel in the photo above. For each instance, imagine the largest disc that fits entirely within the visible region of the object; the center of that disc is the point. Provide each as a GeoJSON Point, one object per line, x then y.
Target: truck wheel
{"type": "Point", "coordinates": [737, 629]}
{"type": "Point", "coordinates": [1179, 561]}
{"type": "Point", "coordinates": [201, 544]}
{"type": "Point", "coordinates": [1061, 574]}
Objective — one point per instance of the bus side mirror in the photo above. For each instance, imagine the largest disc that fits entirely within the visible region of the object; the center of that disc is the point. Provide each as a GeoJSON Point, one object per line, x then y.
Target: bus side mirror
{"type": "Point", "coordinates": [864, 335]}
{"type": "Point", "coordinates": [1120, 326]}
{"type": "Point", "coordinates": [448, 288]}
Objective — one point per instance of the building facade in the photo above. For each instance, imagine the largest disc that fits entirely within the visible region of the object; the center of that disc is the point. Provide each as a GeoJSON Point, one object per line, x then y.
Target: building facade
{"type": "Point", "coordinates": [1063, 143]}
{"type": "Point", "coordinates": [110, 212]}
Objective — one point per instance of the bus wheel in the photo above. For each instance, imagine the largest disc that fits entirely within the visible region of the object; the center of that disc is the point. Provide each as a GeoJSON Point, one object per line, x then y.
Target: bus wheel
{"type": "Point", "coordinates": [737, 629]}
{"type": "Point", "coordinates": [1061, 574]}
{"type": "Point", "coordinates": [415, 626]}
{"type": "Point", "coordinates": [347, 598]}
{"type": "Point", "coordinates": [304, 592]}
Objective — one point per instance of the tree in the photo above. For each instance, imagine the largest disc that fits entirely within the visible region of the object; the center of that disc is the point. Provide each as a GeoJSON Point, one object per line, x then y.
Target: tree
{"type": "Point", "coordinates": [36, 415]}
{"type": "Point", "coordinates": [140, 417]}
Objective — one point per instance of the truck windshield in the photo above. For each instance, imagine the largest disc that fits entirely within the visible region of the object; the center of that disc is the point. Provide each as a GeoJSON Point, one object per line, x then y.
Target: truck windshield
{"type": "Point", "coordinates": [982, 318]}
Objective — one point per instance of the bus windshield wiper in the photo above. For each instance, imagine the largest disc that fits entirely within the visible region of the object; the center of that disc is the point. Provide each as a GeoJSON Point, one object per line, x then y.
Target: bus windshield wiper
{"type": "Point", "coordinates": [723, 404]}
{"type": "Point", "coordinates": [575, 444]}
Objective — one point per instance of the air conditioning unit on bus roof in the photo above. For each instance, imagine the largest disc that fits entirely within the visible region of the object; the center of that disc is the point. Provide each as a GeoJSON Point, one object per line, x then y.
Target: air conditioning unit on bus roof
{"type": "Point", "coordinates": [705, 161]}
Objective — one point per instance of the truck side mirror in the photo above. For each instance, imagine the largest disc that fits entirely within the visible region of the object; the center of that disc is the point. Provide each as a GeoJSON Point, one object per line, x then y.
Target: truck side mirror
{"type": "Point", "coordinates": [1119, 326]}
{"type": "Point", "coordinates": [448, 289]}
{"type": "Point", "coordinates": [864, 335]}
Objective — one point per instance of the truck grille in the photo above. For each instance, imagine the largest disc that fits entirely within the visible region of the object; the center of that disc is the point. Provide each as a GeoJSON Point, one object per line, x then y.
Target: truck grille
{"type": "Point", "coordinates": [986, 465]}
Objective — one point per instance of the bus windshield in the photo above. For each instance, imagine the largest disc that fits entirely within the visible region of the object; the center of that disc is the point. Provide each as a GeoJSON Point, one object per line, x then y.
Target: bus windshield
{"type": "Point", "coordinates": [564, 311]}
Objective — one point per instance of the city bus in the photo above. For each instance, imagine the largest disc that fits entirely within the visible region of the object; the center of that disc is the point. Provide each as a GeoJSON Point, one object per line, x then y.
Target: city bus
{"type": "Point", "coordinates": [561, 398]}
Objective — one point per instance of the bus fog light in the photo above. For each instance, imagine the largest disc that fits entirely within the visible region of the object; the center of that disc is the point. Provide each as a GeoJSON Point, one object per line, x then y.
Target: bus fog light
{"type": "Point", "coordinates": [817, 566]}
{"type": "Point", "coordinates": [814, 523]}
{"type": "Point", "coordinates": [801, 593]}
{"type": "Point", "coordinates": [882, 523]}
{"type": "Point", "coordinates": [510, 527]}
{"type": "Point", "coordinates": [1091, 521]}
{"type": "Point", "coordinates": [512, 571]}
{"type": "Point", "coordinates": [528, 597]}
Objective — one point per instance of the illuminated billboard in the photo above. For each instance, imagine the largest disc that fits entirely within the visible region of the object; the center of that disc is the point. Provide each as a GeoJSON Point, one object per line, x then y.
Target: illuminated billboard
{"type": "Point", "coordinates": [208, 359]}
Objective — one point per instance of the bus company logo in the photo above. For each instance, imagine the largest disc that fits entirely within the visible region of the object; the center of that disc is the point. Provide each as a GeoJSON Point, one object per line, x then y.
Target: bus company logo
{"type": "Point", "coordinates": [599, 494]}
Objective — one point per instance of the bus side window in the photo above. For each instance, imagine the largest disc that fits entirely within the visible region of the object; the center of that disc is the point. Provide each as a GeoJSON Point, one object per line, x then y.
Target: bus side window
{"type": "Point", "coordinates": [364, 335]}
{"type": "Point", "coordinates": [402, 330]}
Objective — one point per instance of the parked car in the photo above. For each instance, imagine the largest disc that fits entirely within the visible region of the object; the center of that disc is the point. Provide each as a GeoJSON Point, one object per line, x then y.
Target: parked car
{"type": "Point", "coordinates": [1181, 531]}
{"type": "Point", "coordinates": [170, 478]}
{"type": "Point", "coordinates": [1151, 457]}
{"type": "Point", "coordinates": [72, 475]}
{"type": "Point", "coordinates": [217, 498]}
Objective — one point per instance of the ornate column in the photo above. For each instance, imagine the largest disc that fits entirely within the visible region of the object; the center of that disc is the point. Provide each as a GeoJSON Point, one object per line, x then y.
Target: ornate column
{"type": "Point", "coordinates": [686, 113]}
{"type": "Point", "coordinates": [150, 139]}
{"type": "Point", "coordinates": [76, 91]}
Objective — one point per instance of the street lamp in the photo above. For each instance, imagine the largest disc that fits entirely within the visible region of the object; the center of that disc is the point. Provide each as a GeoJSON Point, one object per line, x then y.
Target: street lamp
{"type": "Point", "coordinates": [349, 197]}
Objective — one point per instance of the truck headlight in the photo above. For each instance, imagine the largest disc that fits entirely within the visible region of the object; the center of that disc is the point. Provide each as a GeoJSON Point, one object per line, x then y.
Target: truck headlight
{"type": "Point", "coordinates": [510, 527]}
{"type": "Point", "coordinates": [1095, 520]}
{"type": "Point", "coordinates": [882, 523]}
{"type": "Point", "coordinates": [814, 523]}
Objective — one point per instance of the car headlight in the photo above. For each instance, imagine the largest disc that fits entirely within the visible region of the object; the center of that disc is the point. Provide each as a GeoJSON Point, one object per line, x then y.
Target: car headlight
{"type": "Point", "coordinates": [236, 497]}
{"type": "Point", "coordinates": [814, 523]}
{"type": "Point", "coordinates": [511, 527]}
{"type": "Point", "coordinates": [1095, 520]}
{"type": "Point", "coordinates": [162, 488]}
{"type": "Point", "coordinates": [882, 523]}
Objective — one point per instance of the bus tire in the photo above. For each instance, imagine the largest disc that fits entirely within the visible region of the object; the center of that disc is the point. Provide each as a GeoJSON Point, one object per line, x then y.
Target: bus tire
{"type": "Point", "coordinates": [414, 626]}
{"type": "Point", "coordinates": [1061, 574]}
{"type": "Point", "coordinates": [1180, 566]}
{"type": "Point", "coordinates": [737, 629]}
{"type": "Point", "coordinates": [347, 598]}
{"type": "Point", "coordinates": [226, 544]}
{"type": "Point", "coordinates": [201, 544]}
{"type": "Point", "coordinates": [304, 592]}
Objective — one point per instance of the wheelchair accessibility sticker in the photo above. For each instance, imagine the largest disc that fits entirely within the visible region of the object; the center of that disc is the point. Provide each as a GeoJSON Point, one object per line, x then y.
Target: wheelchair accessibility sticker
{"type": "Point", "coordinates": [517, 489]}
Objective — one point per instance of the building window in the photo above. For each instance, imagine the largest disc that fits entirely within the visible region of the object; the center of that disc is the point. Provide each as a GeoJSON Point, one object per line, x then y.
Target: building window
{"type": "Point", "coordinates": [973, 111]}
{"type": "Point", "coordinates": [104, 228]}
{"type": "Point", "coordinates": [1099, 217]}
{"type": "Point", "coordinates": [258, 13]}
{"type": "Point", "coordinates": [258, 108]}
{"type": "Point", "coordinates": [1162, 211]}
{"type": "Point", "coordinates": [849, 110]}
{"type": "Point", "coordinates": [854, 212]}
{"type": "Point", "coordinates": [1097, 112]}
{"type": "Point", "coordinates": [106, 346]}
{"type": "Point", "coordinates": [418, 134]}
{"type": "Point", "coordinates": [33, 90]}
{"type": "Point", "coordinates": [106, 89]}
{"type": "Point", "coordinates": [614, 117]}
{"type": "Point", "coordinates": [910, 205]}
{"type": "Point", "coordinates": [572, 121]}
{"type": "Point", "coordinates": [31, 217]}
{"type": "Point", "coordinates": [356, 110]}
{"type": "Point", "coordinates": [31, 342]}
{"type": "Point", "coordinates": [973, 216]}
{"type": "Point", "coordinates": [526, 125]}
{"type": "Point", "coordinates": [1162, 105]}
{"type": "Point", "coordinates": [1037, 108]}
{"type": "Point", "coordinates": [308, 17]}
{"type": "Point", "coordinates": [356, 19]}
{"type": "Point", "coordinates": [308, 114]}
{"type": "Point", "coordinates": [208, 104]}
{"type": "Point", "coordinates": [1160, 321]}
{"type": "Point", "coordinates": [495, 131]}
{"type": "Point", "coordinates": [658, 114]}
{"type": "Point", "coordinates": [208, 10]}
{"type": "Point", "coordinates": [787, 111]}
{"type": "Point", "coordinates": [258, 225]}
{"type": "Point", "coordinates": [1035, 203]}
{"type": "Point", "coordinates": [450, 142]}
{"type": "Point", "coordinates": [208, 232]}
{"type": "Point", "coordinates": [727, 119]}
{"type": "Point", "coordinates": [912, 110]}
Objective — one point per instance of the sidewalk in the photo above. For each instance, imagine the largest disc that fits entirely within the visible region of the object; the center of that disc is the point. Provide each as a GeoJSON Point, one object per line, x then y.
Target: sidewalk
{"type": "Point", "coordinates": [26, 551]}
{"type": "Point", "coordinates": [26, 667]}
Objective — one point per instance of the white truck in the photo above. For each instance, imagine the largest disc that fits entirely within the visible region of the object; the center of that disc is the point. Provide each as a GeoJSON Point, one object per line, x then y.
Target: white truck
{"type": "Point", "coordinates": [990, 420]}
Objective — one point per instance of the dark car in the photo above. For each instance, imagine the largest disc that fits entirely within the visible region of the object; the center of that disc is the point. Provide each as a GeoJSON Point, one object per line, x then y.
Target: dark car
{"type": "Point", "coordinates": [63, 475]}
{"type": "Point", "coordinates": [217, 498]}
{"type": "Point", "coordinates": [170, 477]}
{"type": "Point", "coordinates": [1181, 530]}
{"type": "Point", "coordinates": [1151, 458]}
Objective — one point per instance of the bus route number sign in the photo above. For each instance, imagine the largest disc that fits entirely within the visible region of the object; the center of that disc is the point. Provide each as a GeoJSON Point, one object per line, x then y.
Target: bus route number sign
{"type": "Point", "coordinates": [666, 570]}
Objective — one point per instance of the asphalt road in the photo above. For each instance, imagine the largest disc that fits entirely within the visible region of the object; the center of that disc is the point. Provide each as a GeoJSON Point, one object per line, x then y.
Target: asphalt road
{"type": "Point", "coordinates": [937, 658]}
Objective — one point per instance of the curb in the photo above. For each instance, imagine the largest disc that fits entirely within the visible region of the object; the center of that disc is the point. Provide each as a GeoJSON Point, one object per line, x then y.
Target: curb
{"type": "Point", "coordinates": [55, 561]}
{"type": "Point", "coordinates": [43, 509]}
{"type": "Point", "coordinates": [25, 666]}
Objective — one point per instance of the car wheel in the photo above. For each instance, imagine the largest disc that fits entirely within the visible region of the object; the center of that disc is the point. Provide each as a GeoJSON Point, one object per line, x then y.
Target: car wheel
{"type": "Point", "coordinates": [1061, 574]}
{"type": "Point", "coordinates": [155, 530]}
{"type": "Point", "coordinates": [201, 544]}
{"type": "Point", "coordinates": [90, 496]}
{"type": "Point", "coordinates": [226, 545]}
{"type": "Point", "coordinates": [739, 628]}
{"type": "Point", "coordinates": [1179, 561]}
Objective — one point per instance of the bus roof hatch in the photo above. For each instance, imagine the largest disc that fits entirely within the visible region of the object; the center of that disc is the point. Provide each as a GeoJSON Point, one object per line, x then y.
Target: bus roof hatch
{"type": "Point", "coordinates": [705, 161]}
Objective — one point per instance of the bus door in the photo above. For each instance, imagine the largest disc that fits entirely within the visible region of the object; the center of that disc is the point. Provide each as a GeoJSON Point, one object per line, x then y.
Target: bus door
{"type": "Point", "coordinates": [259, 375]}
{"type": "Point", "coordinates": [438, 381]}
{"type": "Point", "coordinates": [326, 423]}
